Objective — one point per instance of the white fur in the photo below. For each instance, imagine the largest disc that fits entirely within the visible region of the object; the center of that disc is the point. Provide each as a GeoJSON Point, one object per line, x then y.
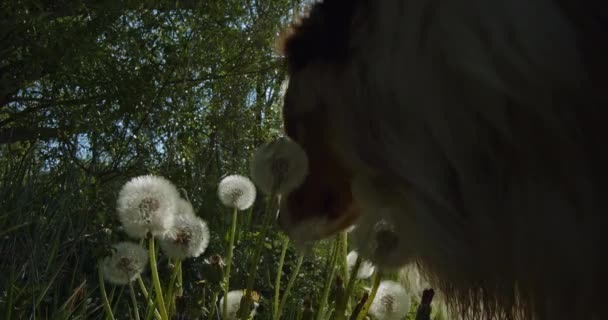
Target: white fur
{"type": "Point", "coordinates": [417, 115]}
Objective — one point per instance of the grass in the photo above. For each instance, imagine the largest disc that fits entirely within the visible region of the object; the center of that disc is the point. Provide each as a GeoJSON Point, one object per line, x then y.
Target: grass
{"type": "Point", "coordinates": [56, 224]}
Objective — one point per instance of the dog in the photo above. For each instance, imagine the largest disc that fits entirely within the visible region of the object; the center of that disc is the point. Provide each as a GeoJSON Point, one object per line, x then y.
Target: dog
{"type": "Point", "coordinates": [463, 137]}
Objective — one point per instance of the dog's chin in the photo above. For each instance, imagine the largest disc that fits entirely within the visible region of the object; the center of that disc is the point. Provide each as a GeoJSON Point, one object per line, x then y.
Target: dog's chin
{"type": "Point", "coordinates": [316, 226]}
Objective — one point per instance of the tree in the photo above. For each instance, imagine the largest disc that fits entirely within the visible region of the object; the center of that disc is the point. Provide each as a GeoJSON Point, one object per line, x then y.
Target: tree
{"type": "Point", "coordinates": [95, 92]}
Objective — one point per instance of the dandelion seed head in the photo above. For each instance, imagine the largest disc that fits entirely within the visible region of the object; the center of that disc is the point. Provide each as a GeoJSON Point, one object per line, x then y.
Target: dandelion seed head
{"type": "Point", "coordinates": [279, 166]}
{"type": "Point", "coordinates": [188, 238]}
{"type": "Point", "coordinates": [126, 263]}
{"type": "Point", "coordinates": [377, 240]}
{"type": "Point", "coordinates": [391, 302]}
{"type": "Point", "coordinates": [366, 268]}
{"type": "Point", "coordinates": [236, 191]}
{"type": "Point", "coordinates": [234, 302]}
{"type": "Point", "coordinates": [376, 236]}
{"type": "Point", "coordinates": [184, 207]}
{"type": "Point", "coordinates": [147, 204]}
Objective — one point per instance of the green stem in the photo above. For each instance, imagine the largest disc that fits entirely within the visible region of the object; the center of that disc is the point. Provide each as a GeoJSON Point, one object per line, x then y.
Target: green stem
{"type": "Point", "coordinates": [344, 237]}
{"type": "Point", "coordinates": [277, 283]}
{"type": "Point", "coordinates": [290, 284]}
{"type": "Point", "coordinates": [149, 314]}
{"type": "Point", "coordinates": [160, 301]}
{"type": "Point", "coordinates": [213, 304]}
{"type": "Point", "coordinates": [330, 277]}
{"type": "Point", "coordinates": [144, 291]}
{"type": "Point", "coordinates": [372, 295]}
{"type": "Point", "coordinates": [180, 281]}
{"type": "Point", "coordinates": [104, 296]}
{"type": "Point", "coordinates": [229, 261]}
{"type": "Point", "coordinates": [246, 223]}
{"type": "Point", "coordinates": [256, 256]}
{"type": "Point", "coordinates": [111, 299]}
{"type": "Point", "coordinates": [170, 297]}
{"type": "Point", "coordinates": [134, 300]}
{"type": "Point", "coordinates": [9, 302]}
{"type": "Point", "coordinates": [349, 288]}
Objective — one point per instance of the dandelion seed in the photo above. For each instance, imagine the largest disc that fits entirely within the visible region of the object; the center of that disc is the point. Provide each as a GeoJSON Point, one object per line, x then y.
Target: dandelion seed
{"type": "Point", "coordinates": [188, 238]}
{"type": "Point", "coordinates": [147, 204]}
{"type": "Point", "coordinates": [236, 191]}
{"type": "Point", "coordinates": [391, 302]}
{"type": "Point", "coordinates": [125, 264]}
{"type": "Point", "coordinates": [366, 269]}
{"type": "Point", "coordinates": [234, 302]}
{"type": "Point", "coordinates": [279, 166]}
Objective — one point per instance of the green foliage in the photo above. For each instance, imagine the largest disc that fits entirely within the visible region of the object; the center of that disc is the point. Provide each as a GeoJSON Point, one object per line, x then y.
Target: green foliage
{"type": "Point", "coordinates": [93, 93]}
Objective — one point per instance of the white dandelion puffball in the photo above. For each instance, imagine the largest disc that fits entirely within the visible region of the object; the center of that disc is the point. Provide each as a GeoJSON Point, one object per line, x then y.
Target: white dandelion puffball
{"type": "Point", "coordinates": [366, 268]}
{"type": "Point", "coordinates": [234, 302]}
{"type": "Point", "coordinates": [391, 302]}
{"type": "Point", "coordinates": [279, 166]}
{"type": "Point", "coordinates": [184, 207]}
{"type": "Point", "coordinates": [126, 263]}
{"type": "Point", "coordinates": [147, 204]}
{"type": "Point", "coordinates": [236, 191]}
{"type": "Point", "coordinates": [188, 238]}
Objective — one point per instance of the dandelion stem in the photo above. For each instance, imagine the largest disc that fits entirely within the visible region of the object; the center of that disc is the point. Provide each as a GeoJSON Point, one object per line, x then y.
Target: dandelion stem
{"type": "Point", "coordinates": [349, 288]}
{"type": "Point", "coordinates": [213, 304]}
{"type": "Point", "coordinates": [180, 281]}
{"type": "Point", "coordinates": [149, 312]}
{"type": "Point", "coordinates": [290, 284]}
{"type": "Point", "coordinates": [170, 297]}
{"type": "Point", "coordinates": [256, 256]}
{"type": "Point", "coordinates": [9, 303]}
{"type": "Point", "coordinates": [134, 300]}
{"type": "Point", "coordinates": [111, 300]}
{"type": "Point", "coordinates": [345, 276]}
{"type": "Point", "coordinates": [156, 281]}
{"type": "Point", "coordinates": [144, 291]}
{"type": "Point", "coordinates": [277, 283]}
{"type": "Point", "coordinates": [372, 295]}
{"type": "Point", "coordinates": [330, 277]}
{"type": "Point", "coordinates": [229, 260]}
{"type": "Point", "coordinates": [344, 237]}
{"type": "Point", "coordinates": [104, 296]}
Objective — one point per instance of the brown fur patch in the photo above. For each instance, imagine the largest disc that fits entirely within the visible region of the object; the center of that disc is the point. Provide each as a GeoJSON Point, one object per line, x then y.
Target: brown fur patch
{"type": "Point", "coordinates": [322, 36]}
{"type": "Point", "coordinates": [481, 283]}
{"type": "Point", "coordinates": [326, 191]}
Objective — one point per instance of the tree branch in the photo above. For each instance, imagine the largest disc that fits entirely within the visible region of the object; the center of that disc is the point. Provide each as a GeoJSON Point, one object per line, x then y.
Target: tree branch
{"type": "Point", "coordinates": [12, 135]}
